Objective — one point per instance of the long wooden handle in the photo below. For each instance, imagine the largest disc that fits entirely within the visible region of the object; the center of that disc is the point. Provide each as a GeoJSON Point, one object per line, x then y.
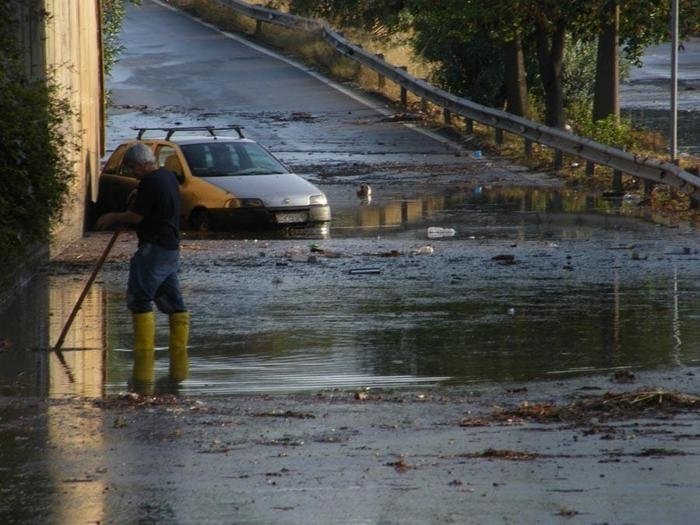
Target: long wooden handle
{"type": "Point", "coordinates": [71, 317]}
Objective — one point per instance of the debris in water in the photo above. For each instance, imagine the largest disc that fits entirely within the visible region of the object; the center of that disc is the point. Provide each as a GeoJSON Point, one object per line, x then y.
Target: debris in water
{"type": "Point", "coordinates": [504, 258]}
{"type": "Point", "coordinates": [567, 513]}
{"type": "Point", "coordinates": [474, 422]}
{"type": "Point", "coordinates": [511, 455]}
{"type": "Point", "coordinates": [364, 271]}
{"type": "Point", "coordinates": [435, 232]}
{"type": "Point", "coordinates": [401, 465]}
{"type": "Point", "coordinates": [423, 250]}
{"type": "Point", "coordinates": [365, 191]}
{"type": "Point", "coordinates": [287, 414]}
{"type": "Point", "coordinates": [623, 376]}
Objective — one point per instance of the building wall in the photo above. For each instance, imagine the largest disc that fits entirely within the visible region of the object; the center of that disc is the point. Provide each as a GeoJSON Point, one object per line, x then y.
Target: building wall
{"type": "Point", "coordinates": [74, 54]}
{"type": "Point", "coordinates": [62, 39]}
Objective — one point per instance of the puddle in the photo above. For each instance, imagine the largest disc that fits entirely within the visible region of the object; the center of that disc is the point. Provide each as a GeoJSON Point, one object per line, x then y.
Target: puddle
{"type": "Point", "coordinates": [533, 284]}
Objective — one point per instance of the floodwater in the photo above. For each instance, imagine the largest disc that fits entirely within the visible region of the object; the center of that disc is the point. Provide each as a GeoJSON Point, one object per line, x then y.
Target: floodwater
{"type": "Point", "coordinates": [535, 283]}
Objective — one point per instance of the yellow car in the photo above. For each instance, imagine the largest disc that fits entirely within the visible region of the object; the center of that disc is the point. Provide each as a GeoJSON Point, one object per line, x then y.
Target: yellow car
{"type": "Point", "coordinates": [226, 181]}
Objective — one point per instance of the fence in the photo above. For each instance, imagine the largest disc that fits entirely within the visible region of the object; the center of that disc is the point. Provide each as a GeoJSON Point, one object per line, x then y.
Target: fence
{"type": "Point", "coordinates": [649, 169]}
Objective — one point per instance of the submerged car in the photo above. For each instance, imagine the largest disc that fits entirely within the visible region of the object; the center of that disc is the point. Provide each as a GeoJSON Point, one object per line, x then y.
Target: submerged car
{"type": "Point", "coordinates": [226, 181]}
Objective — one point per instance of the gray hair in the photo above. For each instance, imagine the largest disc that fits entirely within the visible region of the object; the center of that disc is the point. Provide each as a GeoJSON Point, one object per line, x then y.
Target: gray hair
{"type": "Point", "coordinates": [139, 154]}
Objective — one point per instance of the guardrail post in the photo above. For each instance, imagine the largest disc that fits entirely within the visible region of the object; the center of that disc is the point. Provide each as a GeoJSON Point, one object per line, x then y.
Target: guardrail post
{"type": "Point", "coordinates": [404, 93]}
{"type": "Point", "coordinates": [648, 187]}
{"type": "Point", "coordinates": [381, 81]}
{"type": "Point", "coordinates": [447, 117]}
{"type": "Point", "coordinates": [498, 134]}
{"type": "Point", "coordinates": [528, 148]}
{"type": "Point", "coordinates": [558, 159]}
{"type": "Point", "coordinates": [469, 126]}
{"type": "Point", "coordinates": [617, 181]}
{"type": "Point", "coordinates": [258, 27]}
{"type": "Point", "coordinates": [590, 168]}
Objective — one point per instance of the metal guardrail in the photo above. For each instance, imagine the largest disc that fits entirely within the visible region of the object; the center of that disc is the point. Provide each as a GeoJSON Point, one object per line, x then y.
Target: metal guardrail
{"type": "Point", "coordinates": [647, 168]}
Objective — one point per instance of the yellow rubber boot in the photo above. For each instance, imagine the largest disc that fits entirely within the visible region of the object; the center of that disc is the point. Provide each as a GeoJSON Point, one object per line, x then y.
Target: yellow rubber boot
{"type": "Point", "coordinates": [144, 348]}
{"type": "Point", "coordinates": [179, 335]}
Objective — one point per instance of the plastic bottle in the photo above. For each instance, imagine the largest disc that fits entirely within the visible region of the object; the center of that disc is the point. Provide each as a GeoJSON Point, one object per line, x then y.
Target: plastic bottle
{"type": "Point", "coordinates": [435, 232]}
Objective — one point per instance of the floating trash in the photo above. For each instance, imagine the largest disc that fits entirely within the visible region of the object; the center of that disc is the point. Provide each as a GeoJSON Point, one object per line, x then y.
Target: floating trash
{"type": "Point", "coordinates": [435, 232]}
{"type": "Point", "coordinates": [364, 271]}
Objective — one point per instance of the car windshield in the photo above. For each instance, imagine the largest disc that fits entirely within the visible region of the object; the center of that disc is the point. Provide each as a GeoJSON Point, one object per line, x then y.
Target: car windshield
{"type": "Point", "coordinates": [222, 159]}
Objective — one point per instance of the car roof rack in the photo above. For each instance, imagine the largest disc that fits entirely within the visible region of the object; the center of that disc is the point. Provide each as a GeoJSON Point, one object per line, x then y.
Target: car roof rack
{"type": "Point", "coordinates": [169, 132]}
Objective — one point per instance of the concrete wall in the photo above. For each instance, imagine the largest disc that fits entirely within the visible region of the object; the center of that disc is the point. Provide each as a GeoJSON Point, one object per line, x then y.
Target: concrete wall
{"type": "Point", "coordinates": [62, 39]}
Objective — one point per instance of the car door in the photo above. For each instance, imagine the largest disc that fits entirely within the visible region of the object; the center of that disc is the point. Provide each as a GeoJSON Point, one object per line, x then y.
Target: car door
{"type": "Point", "coordinates": [116, 183]}
{"type": "Point", "coordinates": [170, 158]}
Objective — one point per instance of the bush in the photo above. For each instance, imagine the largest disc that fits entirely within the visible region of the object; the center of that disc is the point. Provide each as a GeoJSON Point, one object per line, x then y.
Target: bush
{"type": "Point", "coordinates": [34, 151]}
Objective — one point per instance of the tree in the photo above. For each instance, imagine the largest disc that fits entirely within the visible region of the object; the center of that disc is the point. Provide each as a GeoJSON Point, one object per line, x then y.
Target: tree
{"type": "Point", "coordinates": [486, 49]}
{"type": "Point", "coordinates": [606, 100]}
{"type": "Point", "coordinates": [632, 26]}
{"type": "Point", "coordinates": [479, 47]}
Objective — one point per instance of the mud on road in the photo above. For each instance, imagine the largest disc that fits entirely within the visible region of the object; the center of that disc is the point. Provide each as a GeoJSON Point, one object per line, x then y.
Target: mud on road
{"type": "Point", "coordinates": [613, 449]}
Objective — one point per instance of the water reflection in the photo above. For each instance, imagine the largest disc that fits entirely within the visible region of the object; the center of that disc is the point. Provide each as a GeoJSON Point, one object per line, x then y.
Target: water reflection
{"type": "Point", "coordinates": [487, 211]}
{"type": "Point", "coordinates": [32, 325]}
{"type": "Point", "coordinates": [577, 301]}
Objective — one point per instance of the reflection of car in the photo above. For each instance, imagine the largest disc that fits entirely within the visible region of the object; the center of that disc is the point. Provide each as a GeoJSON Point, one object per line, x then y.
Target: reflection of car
{"type": "Point", "coordinates": [225, 181]}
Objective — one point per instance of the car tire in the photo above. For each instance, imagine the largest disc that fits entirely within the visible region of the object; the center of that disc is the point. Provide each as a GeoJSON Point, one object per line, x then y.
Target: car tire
{"type": "Point", "coordinates": [200, 220]}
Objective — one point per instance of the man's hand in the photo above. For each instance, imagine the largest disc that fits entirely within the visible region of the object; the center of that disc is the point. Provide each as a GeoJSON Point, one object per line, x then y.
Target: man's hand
{"type": "Point", "coordinates": [105, 221]}
{"type": "Point", "coordinates": [127, 217]}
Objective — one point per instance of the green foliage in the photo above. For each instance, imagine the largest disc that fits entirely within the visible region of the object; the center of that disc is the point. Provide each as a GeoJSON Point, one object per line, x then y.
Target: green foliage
{"type": "Point", "coordinates": [464, 38]}
{"type": "Point", "coordinates": [472, 68]}
{"type": "Point", "coordinates": [615, 132]}
{"type": "Point", "coordinates": [579, 70]}
{"type": "Point", "coordinates": [647, 22]}
{"type": "Point", "coordinates": [375, 15]}
{"type": "Point", "coordinates": [33, 146]}
{"type": "Point", "coordinates": [113, 12]}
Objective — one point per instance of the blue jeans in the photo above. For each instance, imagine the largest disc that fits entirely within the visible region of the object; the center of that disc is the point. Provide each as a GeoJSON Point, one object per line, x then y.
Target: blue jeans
{"type": "Point", "coordinates": [153, 278]}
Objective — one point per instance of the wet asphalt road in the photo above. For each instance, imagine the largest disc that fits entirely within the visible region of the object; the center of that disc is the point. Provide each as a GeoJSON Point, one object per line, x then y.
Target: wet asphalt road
{"type": "Point", "coordinates": [590, 292]}
{"type": "Point", "coordinates": [176, 71]}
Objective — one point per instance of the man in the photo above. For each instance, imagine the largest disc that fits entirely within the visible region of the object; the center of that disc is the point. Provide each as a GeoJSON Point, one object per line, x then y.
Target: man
{"type": "Point", "coordinates": [153, 269]}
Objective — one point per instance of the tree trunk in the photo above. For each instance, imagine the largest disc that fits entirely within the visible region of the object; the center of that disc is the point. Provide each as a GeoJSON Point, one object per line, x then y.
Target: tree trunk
{"type": "Point", "coordinates": [606, 100]}
{"type": "Point", "coordinates": [550, 55]}
{"type": "Point", "coordinates": [516, 79]}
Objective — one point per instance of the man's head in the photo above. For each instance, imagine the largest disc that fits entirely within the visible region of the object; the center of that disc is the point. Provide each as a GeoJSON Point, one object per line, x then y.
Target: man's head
{"type": "Point", "coordinates": [139, 159]}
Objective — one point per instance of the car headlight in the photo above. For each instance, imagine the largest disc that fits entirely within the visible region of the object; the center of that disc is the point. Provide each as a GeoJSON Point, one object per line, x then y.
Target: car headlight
{"type": "Point", "coordinates": [318, 199]}
{"type": "Point", "coordinates": [252, 203]}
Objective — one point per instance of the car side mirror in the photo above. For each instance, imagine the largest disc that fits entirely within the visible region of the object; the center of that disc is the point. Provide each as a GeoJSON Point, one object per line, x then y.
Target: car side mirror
{"type": "Point", "coordinates": [180, 177]}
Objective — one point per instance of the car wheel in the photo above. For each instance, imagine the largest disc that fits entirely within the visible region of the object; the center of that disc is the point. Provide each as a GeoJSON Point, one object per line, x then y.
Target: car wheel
{"type": "Point", "coordinates": [200, 221]}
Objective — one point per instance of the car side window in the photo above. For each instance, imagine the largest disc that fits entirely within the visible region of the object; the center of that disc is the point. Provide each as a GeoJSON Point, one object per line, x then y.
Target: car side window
{"type": "Point", "coordinates": [163, 155]}
{"type": "Point", "coordinates": [167, 158]}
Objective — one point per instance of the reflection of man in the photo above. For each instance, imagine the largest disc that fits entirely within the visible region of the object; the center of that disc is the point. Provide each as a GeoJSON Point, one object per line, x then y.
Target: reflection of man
{"type": "Point", "coordinates": [153, 269]}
